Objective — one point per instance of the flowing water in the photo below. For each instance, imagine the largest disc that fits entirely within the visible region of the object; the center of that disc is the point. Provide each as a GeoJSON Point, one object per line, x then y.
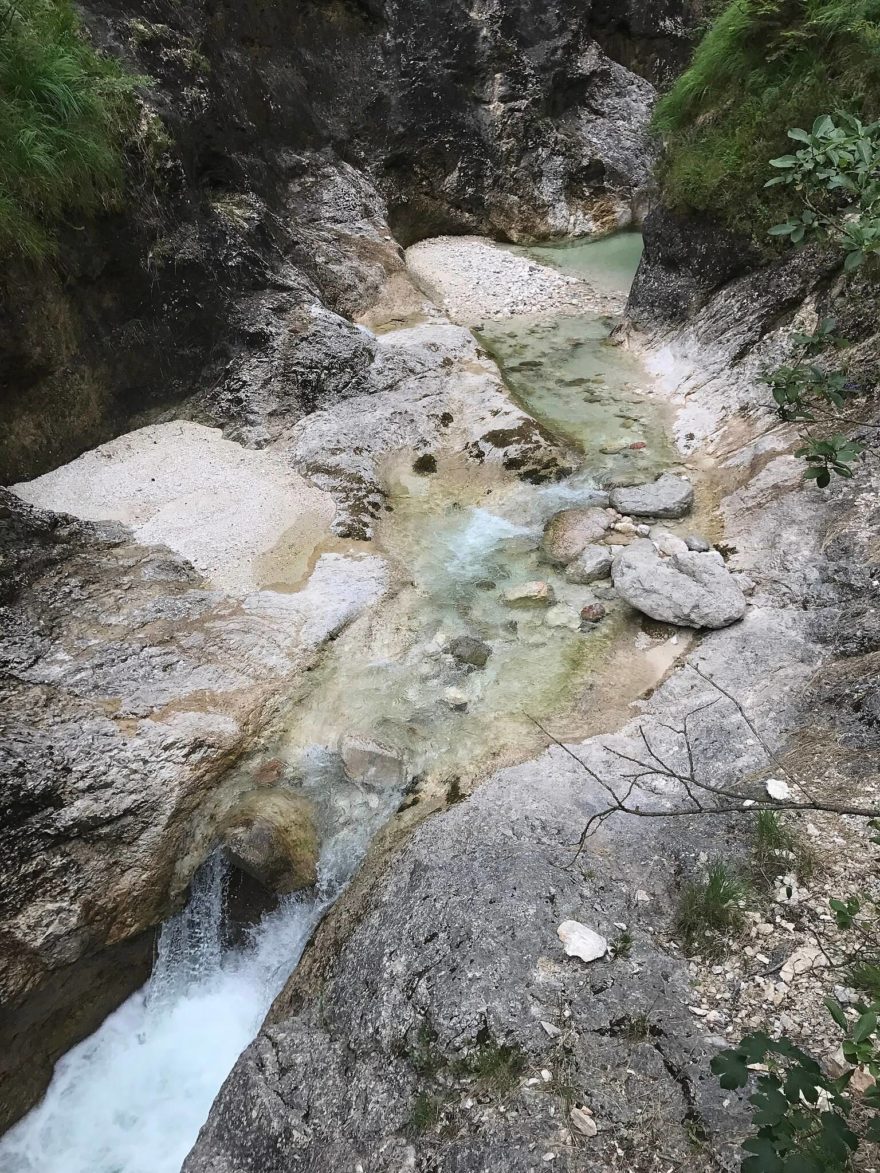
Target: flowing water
{"type": "Point", "coordinates": [132, 1098]}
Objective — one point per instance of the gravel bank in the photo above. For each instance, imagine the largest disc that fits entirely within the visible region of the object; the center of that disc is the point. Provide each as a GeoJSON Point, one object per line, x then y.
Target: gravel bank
{"type": "Point", "coordinates": [472, 279]}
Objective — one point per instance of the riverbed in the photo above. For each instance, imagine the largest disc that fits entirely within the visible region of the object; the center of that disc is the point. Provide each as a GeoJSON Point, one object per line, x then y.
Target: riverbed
{"type": "Point", "coordinates": [131, 1098]}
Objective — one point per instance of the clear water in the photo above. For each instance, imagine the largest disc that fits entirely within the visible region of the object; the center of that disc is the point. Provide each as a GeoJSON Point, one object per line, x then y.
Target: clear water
{"type": "Point", "coordinates": [609, 263]}
{"type": "Point", "coordinates": [132, 1098]}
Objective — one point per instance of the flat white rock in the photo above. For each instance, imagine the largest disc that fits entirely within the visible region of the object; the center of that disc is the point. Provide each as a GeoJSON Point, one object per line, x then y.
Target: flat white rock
{"type": "Point", "coordinates": [778, 789]}
{"type": "Point", "coordinates": [579, 941]}
{"type": "Point", "coordinates": [583, 1122]}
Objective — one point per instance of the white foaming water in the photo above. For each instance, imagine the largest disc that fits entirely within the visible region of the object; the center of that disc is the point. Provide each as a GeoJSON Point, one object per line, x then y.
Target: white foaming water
{"type": "Point", "coordinates": [483, 532]}
{"type": "Point", "coordinates": [133, 1096]}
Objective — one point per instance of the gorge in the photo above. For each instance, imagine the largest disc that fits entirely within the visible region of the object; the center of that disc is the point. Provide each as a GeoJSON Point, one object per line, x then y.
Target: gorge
{"type": "Point", "coordinates": [398, 535]}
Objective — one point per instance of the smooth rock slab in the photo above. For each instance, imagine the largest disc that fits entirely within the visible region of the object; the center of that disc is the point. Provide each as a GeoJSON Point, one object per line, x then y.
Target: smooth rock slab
{"type": "Point", "coordinates": [690, 590]}
{"type": "Point", "coordinates": [669, 496]}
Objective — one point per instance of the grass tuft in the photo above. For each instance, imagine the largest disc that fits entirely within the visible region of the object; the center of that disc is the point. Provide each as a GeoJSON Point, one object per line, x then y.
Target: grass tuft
{"type": "Point", "coordinates": [762, 67]}
{"type": "Point", "coordinates": [709, 913]}
{"type": "Point", "coordinates": [65, 112]}
{"type": "Point", "coordinates": [778, 849]}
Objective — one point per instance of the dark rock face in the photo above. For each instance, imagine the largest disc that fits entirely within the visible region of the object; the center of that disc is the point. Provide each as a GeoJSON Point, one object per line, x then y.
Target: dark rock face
{"type": "Point", "coordinates": [278, 145]}
{"type": "Point", "coordinates": [686, 259]}
{"type": "Point", "coordinates": [651, 37]}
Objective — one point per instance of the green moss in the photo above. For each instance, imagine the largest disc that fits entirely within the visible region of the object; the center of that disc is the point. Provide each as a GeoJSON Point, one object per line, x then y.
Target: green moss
{"type": "Point", "coordinates": [762, 67]}
{"type": "Point", "coordinates": [65, 113]}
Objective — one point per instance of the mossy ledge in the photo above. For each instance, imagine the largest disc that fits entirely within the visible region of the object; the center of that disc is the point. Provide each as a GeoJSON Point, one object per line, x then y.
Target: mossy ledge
{"type": "Point", "coordinates": [762, 67]}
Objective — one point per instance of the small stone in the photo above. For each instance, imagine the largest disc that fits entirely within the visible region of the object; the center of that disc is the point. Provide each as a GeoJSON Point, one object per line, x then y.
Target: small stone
{"type": "Point", "coordinates": [567, 533]}
{"type": "Point", "coordinates": [778, 789]}
{"type": "Point", "coordinates": [561, 615]}
{"type": "Point", "coordinates": [697, 544]}
{"type": "Point", "coordinates": [370, 763]}
{"type": "Point", "coordinates": [803, 960]}
{"type": "Point", "coordinates": [593, 612]}
{"type": "Point", "coordinates": [580, 941]}
{"type": "Point", "coordinates": [530, 594]}
{"type": "Point", "coordinates": [546, 1075]}
{"type": "Point", "coordinates": [638, 444]}
{"type": "Point", "coordinates": [591, 564]}
{"type": "Point", "coordinates": [862, 1080]}
{"type": "Point", "coordinates": [457, 699]}
{"type": "Point", "coordinates": [469, 650]}
{"type": "Point", "coordinates": [669, 496]}
{"type": "Point", "coordinates": [583, 1121]}
{"type": "Point", "coordinates": [553, 1031]}
{"type": "Point", "coordinates": [669, 544]}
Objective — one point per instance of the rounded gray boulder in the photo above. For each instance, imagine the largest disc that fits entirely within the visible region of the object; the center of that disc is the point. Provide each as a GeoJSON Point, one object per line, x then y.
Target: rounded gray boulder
{"type": "Point", "coordinates": [669, 496]}
{"type": "Point", "coordinates": [690, 590]}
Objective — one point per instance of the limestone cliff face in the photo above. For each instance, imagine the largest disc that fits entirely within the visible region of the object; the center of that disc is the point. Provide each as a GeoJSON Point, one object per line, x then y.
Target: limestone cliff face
{"type": "Point", "coordinates": [280, 150]}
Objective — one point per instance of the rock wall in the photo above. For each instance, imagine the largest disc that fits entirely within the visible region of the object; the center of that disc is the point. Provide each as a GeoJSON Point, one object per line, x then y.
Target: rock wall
{"type": "Point", "coordinates": [280, 154]}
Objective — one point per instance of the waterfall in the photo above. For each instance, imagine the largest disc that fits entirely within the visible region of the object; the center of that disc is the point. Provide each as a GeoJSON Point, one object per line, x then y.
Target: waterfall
{"type": "Point", "coordinates": [132, 1097]}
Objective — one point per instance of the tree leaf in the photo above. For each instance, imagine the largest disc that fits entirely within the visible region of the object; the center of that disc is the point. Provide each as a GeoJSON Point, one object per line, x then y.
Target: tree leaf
{"type": "Point", "coordinates": [731, 1069]}
{"type": "Point", "coordinates": [865, 1027]}
{"type": "Point", "coordinates": [836, 1012]}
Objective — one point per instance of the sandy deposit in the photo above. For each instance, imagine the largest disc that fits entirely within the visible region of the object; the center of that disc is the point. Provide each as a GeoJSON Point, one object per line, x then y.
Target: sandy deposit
{"type": "Point", "coordinates": [472, 279]}
{"type": "Point", "coordinates": [227, 509]}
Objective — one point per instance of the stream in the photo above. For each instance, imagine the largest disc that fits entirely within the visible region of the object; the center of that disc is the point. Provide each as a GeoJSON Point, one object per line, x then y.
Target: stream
{"type": "Point", "coordinates": [132, 1097]}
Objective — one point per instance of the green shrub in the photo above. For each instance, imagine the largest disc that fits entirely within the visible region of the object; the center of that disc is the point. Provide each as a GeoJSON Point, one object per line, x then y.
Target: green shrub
{"type": "Point", "coordinates": [763, 66]}
{"type": "Point", "coordinates": [65, 111]}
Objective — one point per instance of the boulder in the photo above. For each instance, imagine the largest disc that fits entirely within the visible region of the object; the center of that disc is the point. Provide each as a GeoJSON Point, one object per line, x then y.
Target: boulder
{"type": "Point", "coordinates": [369, 763]}
{"type": "Point", "coordinates": [691, 590]}
{"type": "Point", "coordinates": [669, 496]}
{"type": "Point", "coordinates": [270, 835]}
{"type": "Point", "coordinates": [470, 651]}
{"type": "Point", "coordinates": [530, 594]}
{"type": "Point", "coordinates": [567, 533]}
{"type": "Point", "coordinates": [590, 565]}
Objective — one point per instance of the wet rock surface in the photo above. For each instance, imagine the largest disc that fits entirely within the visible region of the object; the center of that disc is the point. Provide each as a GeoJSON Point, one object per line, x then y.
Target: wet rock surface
{"type": "Point", "coordinates": [568, 533]}
{"type": "Point", "coordinates": [271, 836]}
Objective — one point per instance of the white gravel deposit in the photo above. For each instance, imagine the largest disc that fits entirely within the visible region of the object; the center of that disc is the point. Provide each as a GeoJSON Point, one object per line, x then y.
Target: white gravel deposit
{"type": "Point", "coordinates": [473, 279]}
{"type": "Point", "coordinates": [237, 514]}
